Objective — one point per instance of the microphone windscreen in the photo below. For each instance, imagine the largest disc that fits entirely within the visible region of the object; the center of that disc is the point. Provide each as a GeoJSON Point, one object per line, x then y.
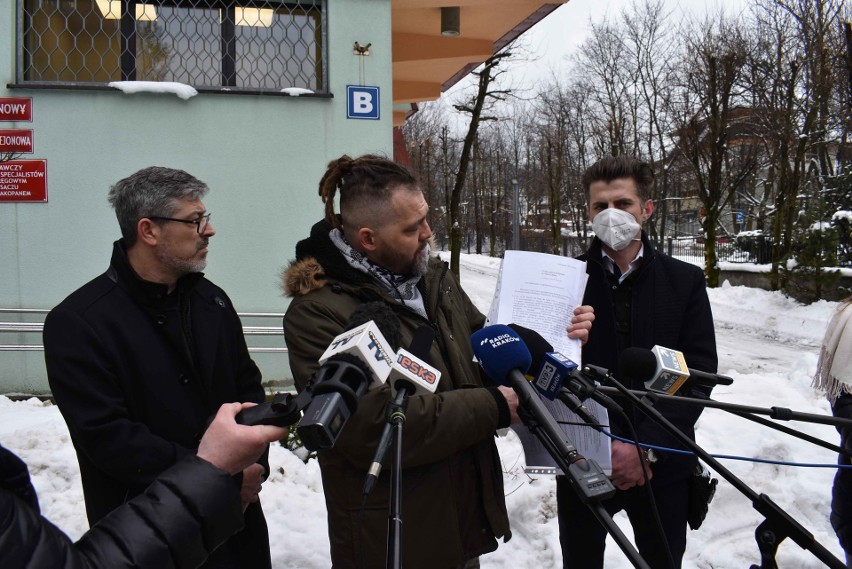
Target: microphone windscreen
{"type": "Point", "coordinates": [500, 350]}
{"type": "Point", "coordinates": [383, 317]}
{"type": "Point", "coordinates": [535, 343]}
{"type": "Point", "coordinates": [330, 369]}
{"type": "Point", "coordinates": [637, 363]}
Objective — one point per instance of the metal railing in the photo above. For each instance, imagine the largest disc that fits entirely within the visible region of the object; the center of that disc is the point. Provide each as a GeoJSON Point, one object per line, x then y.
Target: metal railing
{"type": "Point", "coordinates": [19, 327]}
{"type": "Point", "coordinates": [36, 327]}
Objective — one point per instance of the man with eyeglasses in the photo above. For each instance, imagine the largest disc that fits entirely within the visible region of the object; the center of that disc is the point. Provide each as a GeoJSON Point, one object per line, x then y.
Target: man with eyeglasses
{"type": "Point", "coordinates": [141, 357]}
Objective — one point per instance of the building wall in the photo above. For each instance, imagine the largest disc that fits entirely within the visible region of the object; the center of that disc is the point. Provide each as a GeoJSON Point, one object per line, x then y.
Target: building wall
{"type": "Point", "coordinates": [262, 157]}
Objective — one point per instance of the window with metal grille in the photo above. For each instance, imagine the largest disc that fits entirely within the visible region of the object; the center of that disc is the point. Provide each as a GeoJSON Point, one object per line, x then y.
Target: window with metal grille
{"type": "Point", "coordinates": [250, 45]}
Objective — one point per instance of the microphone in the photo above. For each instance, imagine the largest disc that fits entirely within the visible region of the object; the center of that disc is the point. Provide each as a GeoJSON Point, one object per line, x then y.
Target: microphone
{"type": "Point", "coordinates": [665, 369]}
{"type": "Point", "coordinates": [356, 360]}
{"type": "Point", "coordinates": [553, 368]}
{"type": "Point", "coordinates": [410, 375]}
{"type": "Point", "coordinates": [505, 359]}
{"type": "Point", "coordinates": [578, 408]}
{"type": "Point", "coordinates": [411, 370]}
{"type": "Point", "coordinates": [371, 335]}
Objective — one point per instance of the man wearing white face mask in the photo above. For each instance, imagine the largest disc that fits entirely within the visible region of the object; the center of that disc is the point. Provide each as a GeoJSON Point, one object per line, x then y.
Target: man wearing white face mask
{"type": "Point", "coordinates": [641, 297]}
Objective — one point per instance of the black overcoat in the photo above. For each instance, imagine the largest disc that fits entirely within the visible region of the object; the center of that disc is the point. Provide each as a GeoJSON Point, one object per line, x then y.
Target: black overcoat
{"type": "Point", "coordinates": [136, 402]}
{"type": "Point", "coordinates": [670, 308]}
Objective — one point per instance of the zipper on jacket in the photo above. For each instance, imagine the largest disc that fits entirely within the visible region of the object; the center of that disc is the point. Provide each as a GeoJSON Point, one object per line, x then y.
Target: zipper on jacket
{"type": "Point", "coordinates": [433, 314]}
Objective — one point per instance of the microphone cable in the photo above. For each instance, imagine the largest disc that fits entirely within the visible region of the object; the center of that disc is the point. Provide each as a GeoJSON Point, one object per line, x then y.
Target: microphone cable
{"type": "Point", "coordinates": [724, 456]}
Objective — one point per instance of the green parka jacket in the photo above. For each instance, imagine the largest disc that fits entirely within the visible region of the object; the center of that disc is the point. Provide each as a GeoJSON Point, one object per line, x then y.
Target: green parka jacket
{"type": "Point", "coordinates": [453, 503]}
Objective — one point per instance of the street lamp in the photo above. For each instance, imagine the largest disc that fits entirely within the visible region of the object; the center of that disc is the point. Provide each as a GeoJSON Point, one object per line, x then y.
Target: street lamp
{"type": "Point", "coordinates": [516, 216]}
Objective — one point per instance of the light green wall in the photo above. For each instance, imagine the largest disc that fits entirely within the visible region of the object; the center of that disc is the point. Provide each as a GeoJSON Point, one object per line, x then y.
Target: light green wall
{"type": "Point", "coordinates": [262, 156]}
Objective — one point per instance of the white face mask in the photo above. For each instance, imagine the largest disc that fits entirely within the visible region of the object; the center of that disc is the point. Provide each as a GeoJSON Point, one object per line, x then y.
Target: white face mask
{"type": "Point", "coordinates": [615, 227]}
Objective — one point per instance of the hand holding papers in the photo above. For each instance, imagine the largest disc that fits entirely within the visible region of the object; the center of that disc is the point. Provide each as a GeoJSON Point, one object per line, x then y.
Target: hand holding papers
{"type": "Point", "coordinates": [540, 292]}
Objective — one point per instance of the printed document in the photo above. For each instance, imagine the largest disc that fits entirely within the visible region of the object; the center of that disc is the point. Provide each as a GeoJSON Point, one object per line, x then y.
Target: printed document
{"type": "Point", "coordinates": [540, 292]}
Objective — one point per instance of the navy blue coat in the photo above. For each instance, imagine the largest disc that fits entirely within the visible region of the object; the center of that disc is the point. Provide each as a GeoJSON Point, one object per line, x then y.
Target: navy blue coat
{"type": "Point", "coordinates": [137, 399]}
{"type": "Point", "coordinates": [670, 308]}
{"type": "Point", "coordinates": [189, 511]}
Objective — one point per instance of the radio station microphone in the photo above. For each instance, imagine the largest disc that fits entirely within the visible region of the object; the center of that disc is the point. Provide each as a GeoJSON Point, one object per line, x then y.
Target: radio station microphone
{"type": "Point", "coordinates": [559, 377]}
{"type": "Point", "coordinates": [665, 370]}
{"type": "Point", "coordinates": [411, 369]}
{"type": "Point", "coordinates": [554, 371]}
{"type": "Point", "coordinates": [551, 368]}
{"type": "Point", "coordinates": [356, 360]}
{"type": "Point", "coordinates": [505, 358]}
{"type": "Point", "coordinates": [410, 374]}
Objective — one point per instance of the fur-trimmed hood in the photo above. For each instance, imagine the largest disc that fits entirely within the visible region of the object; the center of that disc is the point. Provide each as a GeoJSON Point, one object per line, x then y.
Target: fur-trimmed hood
{"type": "Point", "coordinates": [302, 277]}
{"type": "Point", "coordinates": [317, 260]}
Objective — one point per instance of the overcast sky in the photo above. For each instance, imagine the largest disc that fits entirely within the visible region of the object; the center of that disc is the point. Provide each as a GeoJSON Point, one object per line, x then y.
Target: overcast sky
{"type": "Point", "coordinates": [559, 34]}
{"type": "Point", "coordinates": [552, 40]}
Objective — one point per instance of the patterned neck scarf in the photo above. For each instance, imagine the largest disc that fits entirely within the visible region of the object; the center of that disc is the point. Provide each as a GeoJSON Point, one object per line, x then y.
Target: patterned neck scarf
{"type": "Point", "coordinates": [834, 367]}
{"type": "Point", "coordinates": [403, 289]}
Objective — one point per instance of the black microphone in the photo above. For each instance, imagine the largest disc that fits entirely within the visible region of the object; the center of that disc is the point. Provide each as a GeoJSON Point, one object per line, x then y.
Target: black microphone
{"type": "Point", "coordinates": [411, 374]}
{"type": "Point", "coordinates": [664, 370]}
{"type": "Point", "coordinates": [505, 359]}
{"type": "Point", "coordinates": [579, 408]}
{"type": "Point", "coordinates": [359, 359]}
{"type": "Point", "coordinates": [551, 367]}
{"type": "Point", "coordinates": [559, 377]}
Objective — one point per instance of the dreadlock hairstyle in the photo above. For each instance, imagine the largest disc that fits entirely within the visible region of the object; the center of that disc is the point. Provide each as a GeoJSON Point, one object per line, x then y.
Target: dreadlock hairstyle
{"type": "Point", "coordinates": [363, 183]}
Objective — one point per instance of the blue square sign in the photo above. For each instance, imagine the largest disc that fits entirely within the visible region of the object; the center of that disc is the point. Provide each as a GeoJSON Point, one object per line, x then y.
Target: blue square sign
{"type": "Point", "coordinates": [362, 102]}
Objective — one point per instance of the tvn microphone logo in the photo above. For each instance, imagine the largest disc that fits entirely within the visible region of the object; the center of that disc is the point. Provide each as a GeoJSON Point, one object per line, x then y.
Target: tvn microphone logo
{"type": "Point", "coordinates": [417, 369]}
{"type": "Point", "coordinates": [344, 340]}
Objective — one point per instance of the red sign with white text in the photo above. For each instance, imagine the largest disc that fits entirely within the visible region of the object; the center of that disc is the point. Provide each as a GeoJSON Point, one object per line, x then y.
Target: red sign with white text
{"type": "Point", "coordinates": [16, 141]}
{"type": "Point", "coordinates": [16, 109]}
{"type": "Point", "coordinates": [23, 181]}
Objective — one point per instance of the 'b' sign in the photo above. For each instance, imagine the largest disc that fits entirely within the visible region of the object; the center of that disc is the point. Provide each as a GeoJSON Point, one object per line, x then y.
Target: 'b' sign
{"type": "Point", "coordinates": [362, 102]}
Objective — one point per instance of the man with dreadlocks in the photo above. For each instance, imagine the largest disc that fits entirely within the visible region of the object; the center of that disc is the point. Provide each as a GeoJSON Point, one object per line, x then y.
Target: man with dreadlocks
{"type": "Point", "coordinates": [377, 249]}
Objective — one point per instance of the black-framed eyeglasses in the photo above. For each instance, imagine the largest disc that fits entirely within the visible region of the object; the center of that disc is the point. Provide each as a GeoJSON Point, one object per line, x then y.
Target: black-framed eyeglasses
{"type": "Point", "coordinates": [200, 223]}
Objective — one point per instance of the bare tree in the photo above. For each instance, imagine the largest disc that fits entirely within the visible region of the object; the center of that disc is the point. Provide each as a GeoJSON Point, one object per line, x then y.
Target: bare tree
{"type": "Point", "coordinates": [648, 39]}
{"type": "Point", "coordinates": [794, 77]}
{"type": "Point", "coordinates": [552, 113]}
{"type": "Point", "coordinates": [603, 58]}
{"type": "Point", "coordinates": [474, 106]}
{"type": "Point", "coordinates": [711, 71]}
{"type": "Point", "coordinates": [422, 134]}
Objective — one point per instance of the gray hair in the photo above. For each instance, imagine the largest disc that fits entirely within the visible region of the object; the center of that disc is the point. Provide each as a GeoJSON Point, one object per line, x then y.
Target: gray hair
{"type": "Point", "coordinates": [152, 191]}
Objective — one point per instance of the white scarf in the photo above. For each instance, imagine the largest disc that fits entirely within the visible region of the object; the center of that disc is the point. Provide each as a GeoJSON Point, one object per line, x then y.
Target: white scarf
{"type": "Point", "coordinates": [834, 368]}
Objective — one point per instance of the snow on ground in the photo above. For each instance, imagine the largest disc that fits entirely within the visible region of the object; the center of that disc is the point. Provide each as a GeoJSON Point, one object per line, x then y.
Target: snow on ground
{"type": "Point", "coordinates": [766, 342]}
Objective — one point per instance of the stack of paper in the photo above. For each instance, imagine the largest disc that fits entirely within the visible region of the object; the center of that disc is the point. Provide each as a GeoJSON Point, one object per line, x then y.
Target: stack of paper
{"type": "Point", "coordinates": [540, 292]}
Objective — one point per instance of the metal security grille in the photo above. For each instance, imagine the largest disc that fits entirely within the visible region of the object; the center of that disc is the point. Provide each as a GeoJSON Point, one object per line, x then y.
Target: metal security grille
{"type": "Point", "coordinates": [247, 45]}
